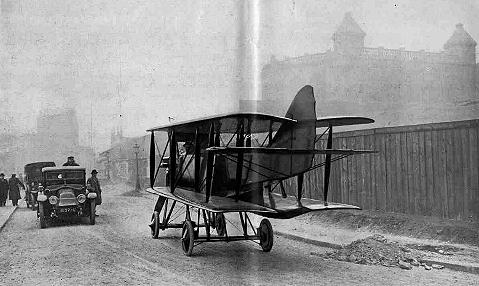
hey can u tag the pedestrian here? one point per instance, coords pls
(3, 190)
(71, 162)
(93, 185)
(14, 189)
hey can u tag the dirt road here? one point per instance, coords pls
(119, 250)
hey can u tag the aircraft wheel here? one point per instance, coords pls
(41, 215)
(91, 217)
(187, 237)
(220, 224)
(265, 232)
(155, 225)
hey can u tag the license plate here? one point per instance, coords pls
(67, 210)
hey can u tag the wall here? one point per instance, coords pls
(430, 169)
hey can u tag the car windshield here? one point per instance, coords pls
(64, 177)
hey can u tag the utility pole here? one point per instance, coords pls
(137, 150)
(107, 153)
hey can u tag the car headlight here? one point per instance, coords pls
(81, 198)
(41, 197)
(91, 195)
(53, 200)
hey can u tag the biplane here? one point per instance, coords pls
(237, 163)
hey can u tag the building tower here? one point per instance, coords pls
(462, 45)
(116, 135)
(349, 37)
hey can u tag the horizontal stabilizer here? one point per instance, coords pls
(342, 121)
(266, 150)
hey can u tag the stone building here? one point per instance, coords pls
(56, 138)
(118, 163)
(393, 86)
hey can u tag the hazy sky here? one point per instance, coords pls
(296, 27)
(148, 60)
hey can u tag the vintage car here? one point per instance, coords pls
(64, 194)
(33, 180)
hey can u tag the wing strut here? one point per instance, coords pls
(197, 162)
(172, 165)
(209, 162)
(239, 165)
(283, 191)
(300, 188)
(152, 159)
(327, 169)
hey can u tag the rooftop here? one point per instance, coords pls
(349, 26)
(460, 38)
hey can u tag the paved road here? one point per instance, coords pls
(118, 250)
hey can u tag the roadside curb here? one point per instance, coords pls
(451, 266)
(3, 223)
(456, 267)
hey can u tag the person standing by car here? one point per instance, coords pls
(3, 190)
(14, 192)
(70, 162)
(93, 185)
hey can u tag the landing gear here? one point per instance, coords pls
(161, 217)
(220, 224)
(188, 237)
(265, 232)
(155, 225)
(196, 227)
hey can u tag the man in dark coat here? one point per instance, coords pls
(93, 185)
(71, 162)
(14, 192)
(3, 190)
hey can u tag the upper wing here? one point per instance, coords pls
(342, 120)
(227, 123)
(266, 150)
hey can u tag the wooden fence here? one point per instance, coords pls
(429, 169)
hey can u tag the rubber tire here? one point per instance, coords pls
(187, 237)
(27, 200)
(41, 215)
(91, 217)
(34, 202)
(220, 224)
(155, 225)
(265, 232)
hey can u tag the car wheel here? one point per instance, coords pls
(41, 215)
(265, 232)
(92, 212)
(34, 203)
(187, 238)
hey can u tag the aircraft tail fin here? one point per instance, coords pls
(300, 135)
